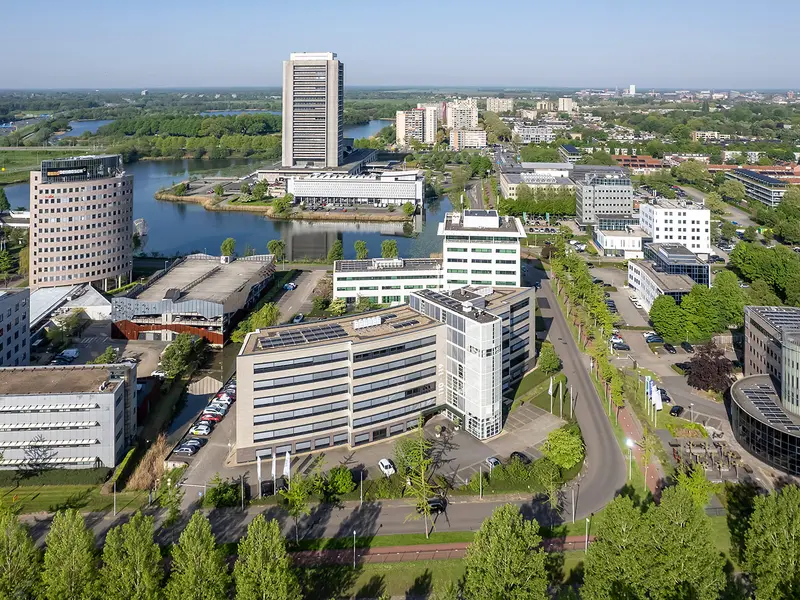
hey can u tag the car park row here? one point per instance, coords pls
(212, 414)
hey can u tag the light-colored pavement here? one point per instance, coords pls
(299, 300)
(734, 213)
(627, 311)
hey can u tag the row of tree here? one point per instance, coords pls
(132, 149)
(785, 219)
(539, 201)
(163, 125)
(773, 273)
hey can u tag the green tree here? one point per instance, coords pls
(108, 357)
(547, 474)
(180, 189)
(615, 568)
(505, 560)
(699, 317)
(728, 299)
(772, 545)
(692, 171)
(219, 191)
(389, 249)
(24, 258)
(4, 204)
(263, 570)
(132, 562)
(198, 568)
(409, 208)
(244, 188)
(223, 492)
(418, 468)
(228, 247)
(667, 318)
(282, 204)
(728, 230)
(733, 190)
(19, 558)
(70, 561)
(277, 248)
(339, 481)
(361, 249)
(715, 204)
(549, 361)
(750, 234)
(564, 447)
(695, 482)
(266, 316)
(259, 190)
(177, 357)
(336, 252)
(297, 497)
(337, 307)
(6, 263)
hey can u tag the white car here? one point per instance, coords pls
(637, 304)
(215, 410)
(634, 298)
(615, 339)
(225, 401)
(387, 467)
(647, 334)
(201, 429)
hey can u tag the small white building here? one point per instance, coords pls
(534, 134)
(385, 280)
(384, 189)
(481, 248)
(677, 222)
(625, 244)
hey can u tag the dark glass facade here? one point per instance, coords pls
(680, 264)
(772, 445)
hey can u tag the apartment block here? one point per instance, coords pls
(481, 248)
(566, 105)
(69, 417)
(15, 348)
(385, 280)
(534, 134)
(709, 136)
(765, 189)
(569, 153)
(81, 222)
(410, 125)
(677, 222)
(600, 195)
(461, 139)
(545, 105)
(313, 110)
(351, 381)
(462, 114)
(500, 105)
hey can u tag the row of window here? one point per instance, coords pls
(298, 379)
(395, 349)
(296, 363)
(300, 396)
(299, 430)
(396, 397)
(393, 414)
(394, 365)
(300, 413)
(392, 381)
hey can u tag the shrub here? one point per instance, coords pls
(339, 481)
(55, 477)
(549, 362)
(222, 493)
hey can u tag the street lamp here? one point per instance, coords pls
(629, 443)
(586, 547)
(691, 412)
(354, 548)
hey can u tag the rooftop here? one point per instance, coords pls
(484, 302)
(536, 179)
(781, 318)
(533, 166)
(670, 204)
(55, 380)
(757, 396)
(350, 163)
(204, 277)
(765, 179)
(482, 221)
(387, 264)
(570, 149)
(387, 322)
(675, 253)
(665, 281)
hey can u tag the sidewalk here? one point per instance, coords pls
(394, 554)
(633, 430)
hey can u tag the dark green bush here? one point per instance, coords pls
(55, 477)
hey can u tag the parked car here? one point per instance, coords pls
(665, 397)
(290, 286)
(387, 467)
(598, 281)
(188, 450)
(211, 417)
(670, 348)
(493, 462)
(200, 429)
(298, 318)
(521, 457)
(615, 339)
(676, 411)
(213, 411)
(684, 366)
(688, 347)
(159, 374)
(654, 339)
(621, 347)
(199, 443)
(637, 304)
(435, 505)
(647, 334)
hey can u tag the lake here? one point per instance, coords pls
(79, 127)
(180, 228)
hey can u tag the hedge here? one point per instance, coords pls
(55, 477)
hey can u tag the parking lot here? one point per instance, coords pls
(617, 278)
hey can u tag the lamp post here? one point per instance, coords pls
(586, 547)
(354, 548)
(629, 443)
(691, 412)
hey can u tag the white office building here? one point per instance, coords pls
(75, 417)
(677, 222)
(623, 244)
(650, 283)
(533, 134)
(500, 105)
(566, 105)
(481, 248)
(462, 114)
(385, 280)
(600, 195)
(15, 349)
(392, 188)
(467, 138)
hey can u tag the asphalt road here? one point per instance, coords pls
(734, 213)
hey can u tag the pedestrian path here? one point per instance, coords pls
(633, 430)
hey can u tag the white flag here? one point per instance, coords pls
(287, 467)
(550, 391)
(274, 460)
(258, 467)
(657, 399)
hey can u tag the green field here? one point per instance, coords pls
(86, 498)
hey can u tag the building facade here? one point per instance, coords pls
(622, 244)
(410, 125)
(709, 136)
(650, 283)
(534, 134)
(462, 114)
(385, 280)
(313, 105)
(674, 222)
(500, 105)
(70, 417)
(765, 330)
(765, 189)
(566, 105)
(569, 153)
(467, 138)
(392, 188)
(481, 248)
(15, 347)
(602, 194)
(81, 222)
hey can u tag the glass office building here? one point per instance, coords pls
(675, 259)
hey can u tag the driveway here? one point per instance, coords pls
(617, 278)
(733, 213)
(296, 301)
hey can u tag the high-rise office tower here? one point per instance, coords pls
(313, 104)
(81, 222)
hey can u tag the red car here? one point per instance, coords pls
(214, 418)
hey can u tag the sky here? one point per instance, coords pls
(693, 44)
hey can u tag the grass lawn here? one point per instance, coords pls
(383, 541)
(86, 498)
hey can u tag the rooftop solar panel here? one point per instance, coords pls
(320, 333)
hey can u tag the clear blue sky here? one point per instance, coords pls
(524, 43)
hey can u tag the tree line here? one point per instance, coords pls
(539, 201)
(773, 273)
(193, 125)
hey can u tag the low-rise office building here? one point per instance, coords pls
(69, 417)
(709, 136)
(765, 189)
(201, 295)
(639, 164)
(15, 348)
(351, 381)
(391, 188)
(601, 194)
(385, 280)
(765, 328)
(511, 180)
(500, 105)
(622, 244)
(481, 248)
(534, 134)
(669, 269)
(569, 153)
(461, 139)
(677, 222)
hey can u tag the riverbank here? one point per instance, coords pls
(212, 203)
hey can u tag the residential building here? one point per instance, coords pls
(200, 294)
(545, 105)
(566, 105)
(81, 222)
(622, 244)
(677, 222)
(569, 153)
(500, 105)
(385, 280)
(313, 105)
(441, 110)
(77, 417)
(640, 164)
(534, 134)
(467, 138)
(391, 188)
(601, 194)
(765, 189)
(481, 248)
(430, 123)
(631, 90)
(462, 114)
(347, 381)
(15, 348)
(528, 114)
(410, 125)
(709, 136)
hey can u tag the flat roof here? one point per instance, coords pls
(760, 178)
(570, 148)
(351, 161)
(16, 381)
(519, 177)
(757, 396)
(782, 318)
(568, 166)
(45, 300)
(387, 264)
(675, 204)
(213, 281)
(489, 300)
(666, 281)
(507, 224)
(387, 322)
